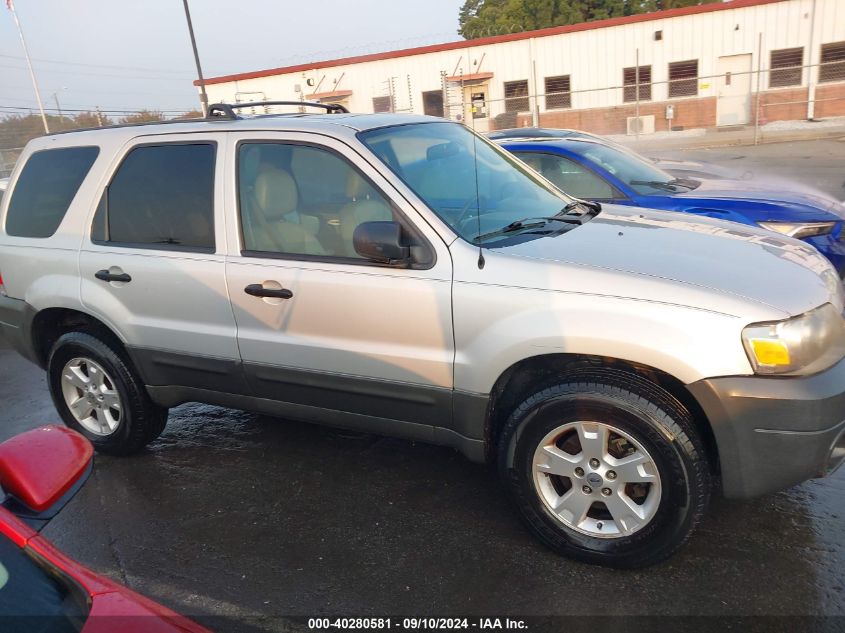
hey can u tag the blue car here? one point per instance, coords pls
(590, 169)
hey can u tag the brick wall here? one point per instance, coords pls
(788, 104)
(830, 108)
(785, 104)
(689, 113)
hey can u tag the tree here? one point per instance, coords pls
(144, 116)
(480, 18)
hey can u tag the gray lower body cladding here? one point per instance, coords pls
(774, 432)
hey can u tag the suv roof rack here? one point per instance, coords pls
(227, 110)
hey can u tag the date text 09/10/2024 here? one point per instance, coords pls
(430, 624)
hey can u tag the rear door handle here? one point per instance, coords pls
(105, 275)
(257, 290)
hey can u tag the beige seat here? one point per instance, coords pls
(276, 197)
(366, 205)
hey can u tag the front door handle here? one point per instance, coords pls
(105, 275)
(257, 290)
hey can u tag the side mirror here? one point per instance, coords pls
(381, 242)
(41, 470)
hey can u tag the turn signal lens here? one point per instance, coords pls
(770, 352)
(2, 287)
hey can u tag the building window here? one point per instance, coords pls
(629, 79)
(516, 96)
(558, 95)
(433, 102)
(683, 79)
(786, 67)
(382, 104)
(832, 62)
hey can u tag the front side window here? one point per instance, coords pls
(303, 200)
(46, 187)
(683, 79)
(36, 595)
(162, 196)
(568, 176)
(469, 183)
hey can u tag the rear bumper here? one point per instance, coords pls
(15, 324)
(773, 433)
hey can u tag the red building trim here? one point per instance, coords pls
(496, 39)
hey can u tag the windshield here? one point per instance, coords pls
(636, 172)
(473, 186)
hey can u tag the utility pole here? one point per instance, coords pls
(58, 107)
(11, 6)
(203, 95)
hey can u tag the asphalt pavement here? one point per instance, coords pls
(249, 517)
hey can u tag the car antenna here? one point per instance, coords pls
(477, 199)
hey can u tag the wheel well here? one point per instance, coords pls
(50, 324)
(528, 376)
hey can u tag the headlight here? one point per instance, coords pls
(799, 230)
(805, 344)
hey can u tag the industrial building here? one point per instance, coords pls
(722, 64)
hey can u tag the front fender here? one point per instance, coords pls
(496, 327)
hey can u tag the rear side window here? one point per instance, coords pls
(162, 196)
(46, 187)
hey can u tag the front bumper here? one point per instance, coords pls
(775, 432)
(833, 248)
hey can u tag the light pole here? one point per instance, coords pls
(56, 99)
(203, 95)
(11, 7)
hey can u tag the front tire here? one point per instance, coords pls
(606, 468)
(98, 394)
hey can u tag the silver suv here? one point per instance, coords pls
(401, 275)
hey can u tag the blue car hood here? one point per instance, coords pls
(771, 200)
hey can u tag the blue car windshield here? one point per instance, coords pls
(641, 175)
(472, 185)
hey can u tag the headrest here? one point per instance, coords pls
(275, 191)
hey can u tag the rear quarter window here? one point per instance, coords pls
(45, 188)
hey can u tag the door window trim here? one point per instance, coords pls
(179, 248)
(406, 224)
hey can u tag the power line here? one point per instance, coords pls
(66, 63)
(92, 74)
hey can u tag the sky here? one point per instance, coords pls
(125, 55)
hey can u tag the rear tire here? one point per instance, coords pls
(606, 468)
(98, 394)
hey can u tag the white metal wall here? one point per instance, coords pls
(594, 58)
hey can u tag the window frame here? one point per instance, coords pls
(509, 100)
(779, 71)
(566, 95)
(404, 222)
(7, 195)
(179, 248)
(831, 66)
(632, 86)
(673, 83)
